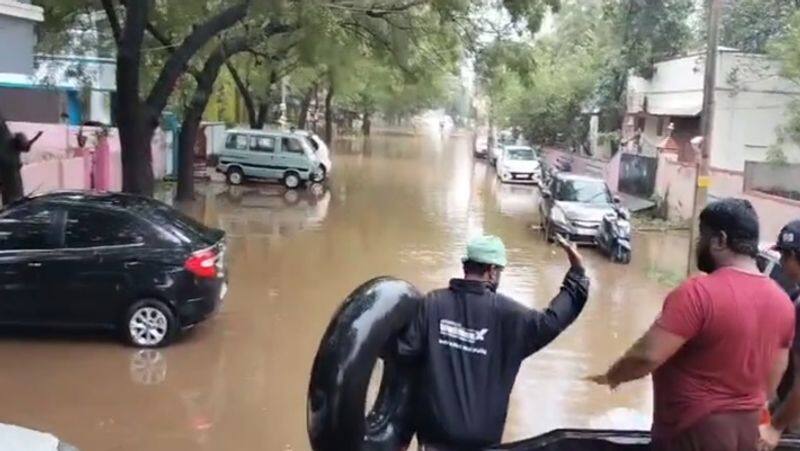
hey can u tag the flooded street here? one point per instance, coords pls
(396, 205)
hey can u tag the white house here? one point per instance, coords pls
(17, 22)
(751, 105)
(93, 77)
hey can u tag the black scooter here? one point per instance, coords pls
(614, 236)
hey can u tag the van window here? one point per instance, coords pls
(236, 141)
(262, 144)
(292, 145)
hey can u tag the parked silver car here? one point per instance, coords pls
(574, 206)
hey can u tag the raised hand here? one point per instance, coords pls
(575, 258)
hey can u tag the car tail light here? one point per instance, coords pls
(203, 263)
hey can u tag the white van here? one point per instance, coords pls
(269, 155)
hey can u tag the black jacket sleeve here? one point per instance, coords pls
(540, 328)
(412, 340)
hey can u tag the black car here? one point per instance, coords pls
(82, 259)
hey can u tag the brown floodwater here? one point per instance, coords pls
(397, 205)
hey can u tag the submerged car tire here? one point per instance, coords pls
(363, 329)
(292, 180)
(319, 175)
(234, 176)
(150, 323)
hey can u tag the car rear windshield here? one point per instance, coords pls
(521, 154)
(185, 227)
(584, 191)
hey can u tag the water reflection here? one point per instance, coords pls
(148, 367)
(269, 211)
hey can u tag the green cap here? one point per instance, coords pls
(487, 249)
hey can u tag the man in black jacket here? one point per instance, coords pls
(468, 342)
(787, 412)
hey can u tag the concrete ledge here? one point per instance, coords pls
(772, 197)
(21, 10)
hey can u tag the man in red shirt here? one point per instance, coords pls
(720, 344)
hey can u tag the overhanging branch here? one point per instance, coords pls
(169, 46)
(376, 10)
(113, 20)
(179, 59)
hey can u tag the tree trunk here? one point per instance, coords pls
(329, 114)
(262, 117)
(305, 105)
(244, 92)
(186, 143)
(137, 119)
(366, 123)
(315, 116)
(193, 115)
(134, 134)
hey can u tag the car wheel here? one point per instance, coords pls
(235, 176)
(292, 180)
(150, 324)
(319, 175)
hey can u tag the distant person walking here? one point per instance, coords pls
(720, 344)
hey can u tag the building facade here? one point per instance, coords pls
(751, 104)
(17, 30)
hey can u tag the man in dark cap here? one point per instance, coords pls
(788, 411)
(468, 342)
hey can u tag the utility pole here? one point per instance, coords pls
(703, 180)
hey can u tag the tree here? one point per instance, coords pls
(544, 85)
(786, 49)
(193, 112)
(183, 38)
(750, 25)
(190, 27)
(205, 78)
(257, 73)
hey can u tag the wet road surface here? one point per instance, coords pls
(403, 206)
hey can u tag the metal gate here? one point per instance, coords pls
(637, 175)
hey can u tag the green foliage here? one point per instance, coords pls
(776, 155)
(544, 86)
(750, 25)
(786, 48)
(647, 31)
(392, 57)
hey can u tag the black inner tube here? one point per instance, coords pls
(363, 329)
